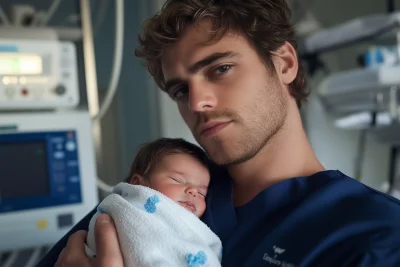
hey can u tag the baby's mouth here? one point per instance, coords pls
(188, 205)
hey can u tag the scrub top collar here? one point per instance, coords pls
(225, 216)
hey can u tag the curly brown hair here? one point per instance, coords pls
(265, 23)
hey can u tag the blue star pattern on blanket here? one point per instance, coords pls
(196, 260)
(150, 204)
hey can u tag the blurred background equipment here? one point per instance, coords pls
(366, 96)
(50, 140)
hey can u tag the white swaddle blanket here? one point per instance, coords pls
(154, 230)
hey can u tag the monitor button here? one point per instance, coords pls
(60, 90)
(10, 91)
(70, 146)
(65, 220)
(59, 155)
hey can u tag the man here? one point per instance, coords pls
(231, 66)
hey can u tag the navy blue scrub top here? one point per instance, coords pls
(327, 219)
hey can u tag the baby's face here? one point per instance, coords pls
(184, 179)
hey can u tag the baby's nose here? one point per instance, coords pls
(192, 191)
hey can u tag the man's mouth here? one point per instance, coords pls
(212, 127)
(188, 205)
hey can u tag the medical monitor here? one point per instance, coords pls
(47, 176)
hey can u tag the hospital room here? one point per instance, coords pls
(146, 133)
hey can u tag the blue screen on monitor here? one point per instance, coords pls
(39, 169)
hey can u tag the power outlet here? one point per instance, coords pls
(22, 15)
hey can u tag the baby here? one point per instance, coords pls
(156, 210)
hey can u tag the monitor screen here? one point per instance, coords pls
(38, 170)
(23, 169)
(20, 64)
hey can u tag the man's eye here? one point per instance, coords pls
(222, 69)
(180, 92)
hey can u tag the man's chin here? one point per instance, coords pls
(219, 157)
(218, 152)
(224, 158)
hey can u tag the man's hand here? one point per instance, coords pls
(108, 251)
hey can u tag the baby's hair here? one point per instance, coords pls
(152, 153)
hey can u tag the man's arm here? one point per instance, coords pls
(51, 257)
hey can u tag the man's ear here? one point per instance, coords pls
(286, 63)
(137, 179)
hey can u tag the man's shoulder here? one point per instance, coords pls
(362, 194)
(330, 186)
(356, 197)
(366, 218)
(358, 208)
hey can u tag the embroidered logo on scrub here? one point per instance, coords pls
(277, 260)
(196, 260)
(150, 204)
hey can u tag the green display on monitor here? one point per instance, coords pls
(20, 64)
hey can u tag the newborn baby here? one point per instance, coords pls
(156, 211)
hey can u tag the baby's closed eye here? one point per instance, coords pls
(176, 180)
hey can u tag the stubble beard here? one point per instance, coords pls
(263, 124)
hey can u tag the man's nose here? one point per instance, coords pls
(202, 97)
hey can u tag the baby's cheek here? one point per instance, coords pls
(202, 207)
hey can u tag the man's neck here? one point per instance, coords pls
(287, 155)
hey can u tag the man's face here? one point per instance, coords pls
(230, 100)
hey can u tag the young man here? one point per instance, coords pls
(231, 66)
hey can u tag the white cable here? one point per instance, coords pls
(4, 17)
(53, 8)
(34, 257)
(11, 259)
(103, 186)
(117, 64)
